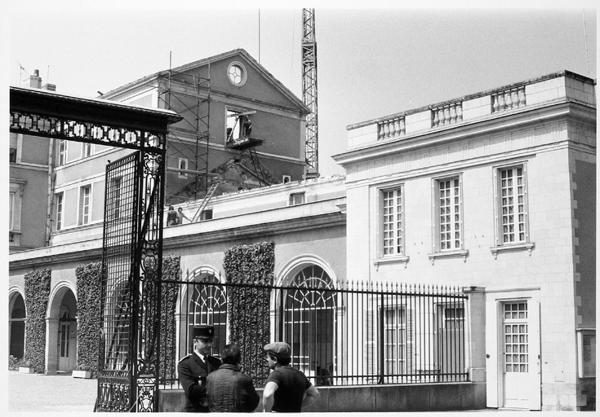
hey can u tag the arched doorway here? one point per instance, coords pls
(309, 322)
(16, 325)
(62, 331)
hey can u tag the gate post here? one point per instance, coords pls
(475, 333)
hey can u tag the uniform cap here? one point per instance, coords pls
(203, 331)
(280, 349)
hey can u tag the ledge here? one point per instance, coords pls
(391, 260)
(449, 254)
(522, 246)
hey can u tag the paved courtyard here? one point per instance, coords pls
(50, 393)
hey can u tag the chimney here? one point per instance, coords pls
(35, 81)
(49, 87)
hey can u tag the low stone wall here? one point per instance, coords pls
(375, 398)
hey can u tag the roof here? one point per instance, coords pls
(98, 110)
(205, 61)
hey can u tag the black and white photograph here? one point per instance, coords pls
(360, 207)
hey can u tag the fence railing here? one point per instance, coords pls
(357, 333)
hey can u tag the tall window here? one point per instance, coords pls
(183, 164)
(62, 152)
(87, 149)
(59, 210)
(84, 204)
(512, 206)
(14, 140)
(395, 328)
(309, 322)
(392, 222)
(449, 213)
(11, 210)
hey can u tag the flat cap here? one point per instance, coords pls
(280, 349)
(203, 331)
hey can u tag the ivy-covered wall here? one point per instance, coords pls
(37, 294)
(171, 271)
(88, 315)
(248, 308)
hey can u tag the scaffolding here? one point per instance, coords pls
(190, 95)
(172, 87)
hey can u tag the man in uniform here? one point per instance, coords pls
(287, 389)
(195, 367)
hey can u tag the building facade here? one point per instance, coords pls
(493, 190)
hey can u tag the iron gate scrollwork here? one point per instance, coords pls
(128, 362)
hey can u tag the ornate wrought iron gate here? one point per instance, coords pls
(132, 251)
(128, 362)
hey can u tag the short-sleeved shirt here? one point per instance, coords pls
(292, 384)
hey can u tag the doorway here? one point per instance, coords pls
(67, 340)
(519, 355)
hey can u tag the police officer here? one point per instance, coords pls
(195, 367)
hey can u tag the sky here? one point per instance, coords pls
(370, 61)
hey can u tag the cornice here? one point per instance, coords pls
(262, 230)
(476, 127)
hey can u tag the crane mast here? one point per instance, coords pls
(309, 92)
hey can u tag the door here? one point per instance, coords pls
(520, 362)
(66, 344)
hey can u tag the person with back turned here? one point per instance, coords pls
(195, 367)
(227, 388)
(287, 389)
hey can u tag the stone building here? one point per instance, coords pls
(493, 192)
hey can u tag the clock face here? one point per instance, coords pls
(236, 74)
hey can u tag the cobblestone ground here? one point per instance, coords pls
(50, 393)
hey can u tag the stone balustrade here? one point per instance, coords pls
(556, 87)
(446, 114)
(508, 99)
(391, 128)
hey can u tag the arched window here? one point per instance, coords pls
(17, 327)
(208, 306)
(309, 322)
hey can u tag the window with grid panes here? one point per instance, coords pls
(87, 149)
(392, 222)
(84, 204)
(516, 343)
(62, 152)
(512, 205)
(59, 211)
(395, 341)
(449, 214)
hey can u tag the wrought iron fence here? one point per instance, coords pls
(359, 333)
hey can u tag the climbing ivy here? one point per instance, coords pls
(89, 281)
(248, 307)
(171, 271)
(37, 294)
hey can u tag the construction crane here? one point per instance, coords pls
(309, 92)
